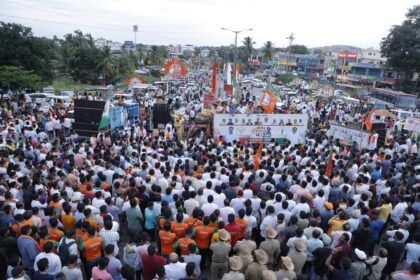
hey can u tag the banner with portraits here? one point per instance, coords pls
(257, 127)
(349, 135)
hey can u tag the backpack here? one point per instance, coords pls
(63, 251)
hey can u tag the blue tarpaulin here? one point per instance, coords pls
(132, 113)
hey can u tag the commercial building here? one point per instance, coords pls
(365, 73)
(310, 65)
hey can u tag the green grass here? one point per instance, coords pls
(60, 85)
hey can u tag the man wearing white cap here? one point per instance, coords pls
(358, 267)
(272, 247)
(287, 269)
(235, 264)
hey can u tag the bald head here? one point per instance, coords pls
(173, 257)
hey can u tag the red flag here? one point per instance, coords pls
(329, 165)
(257, 155)
(213, 81)
(368, 121)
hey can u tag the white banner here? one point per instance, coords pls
(254, 127)
(350, 135)
(412, 124)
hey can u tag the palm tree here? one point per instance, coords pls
(157, 55)
(197, 52)
(249, 45)
(212, 55)
(140, 53)
(63, 61)
(268, 51)
(105, 63)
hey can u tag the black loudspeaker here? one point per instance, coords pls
(380, 128)
(87, 116)
(161, 114)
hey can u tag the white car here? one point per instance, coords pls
(258, 83)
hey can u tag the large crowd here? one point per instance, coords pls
(136, 204)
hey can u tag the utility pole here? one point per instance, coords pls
(135, 30)
(290, 38)
(235, 57)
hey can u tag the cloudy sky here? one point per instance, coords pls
(314, 23)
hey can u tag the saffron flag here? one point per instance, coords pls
(368, 121)
(329, 165)
(237, 71)
(268, 101)
(213, 80)
(257, 156)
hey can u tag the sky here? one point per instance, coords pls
(361, 23)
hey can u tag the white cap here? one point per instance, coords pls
(360, 254)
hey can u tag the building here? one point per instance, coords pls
(285, 62)
(365, 73)
(310, 65)
(186, 48)
(371, 56)
(205, 52)
(101, 42)
(128, 46)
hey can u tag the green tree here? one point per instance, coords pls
(298, 49)
(19, 47)
(402, 47)
(63, 60)
(17, 78)
(105, 63)
(124, 65)
(83, 60)
(212, 54)
(197, 52)
(249, 45)
(140, 53)
(157, 55)
(268, 51)
(226, 54)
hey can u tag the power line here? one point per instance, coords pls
(108, 28)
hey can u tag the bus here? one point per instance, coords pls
(353, 91)
(386, 98)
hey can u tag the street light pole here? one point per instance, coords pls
(235, 56)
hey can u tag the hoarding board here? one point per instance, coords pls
(254, 127)
(350, 135)
(412, 124)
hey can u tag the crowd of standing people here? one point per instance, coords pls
(136, 204)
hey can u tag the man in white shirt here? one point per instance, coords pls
(54, 262)
(269, 221)
(225, 211)
(175, 270)
(98, 201)
(191, 203)
(209, 207)
(238, 203)
(398, 211)
(302, 206)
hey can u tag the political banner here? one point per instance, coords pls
(412, 124)
(349, 135)
(257, 127)
(133, 113)
(117, 117)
